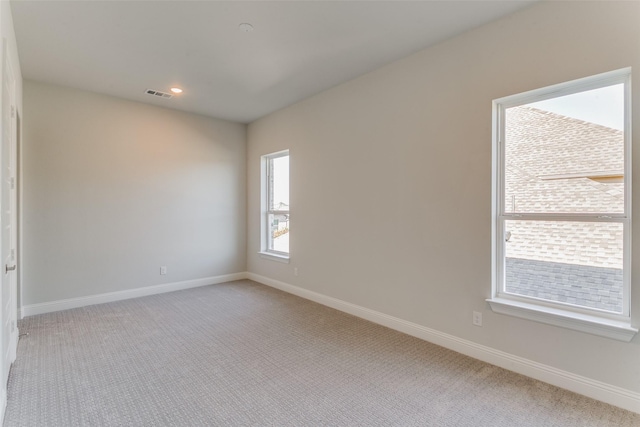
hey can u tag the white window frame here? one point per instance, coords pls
(592, 321)
(265, 230)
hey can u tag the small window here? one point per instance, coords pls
(561, 200)
(275, 229)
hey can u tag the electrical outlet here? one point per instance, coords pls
(163, 270)
(295, 271)
(477, 318)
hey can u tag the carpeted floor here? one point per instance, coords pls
(243, 354)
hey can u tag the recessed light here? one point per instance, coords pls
(176, 90)
(246, 27)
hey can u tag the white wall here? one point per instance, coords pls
(391, 180)
(114, 189)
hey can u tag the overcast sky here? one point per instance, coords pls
(604, 106)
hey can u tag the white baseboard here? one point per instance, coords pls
(598, 390)
(65, 304)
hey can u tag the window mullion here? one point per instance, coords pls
(584, 217)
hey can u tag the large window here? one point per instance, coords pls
(562, 205)
(275, 229)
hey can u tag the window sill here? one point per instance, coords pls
(274, 257)
(614, 329)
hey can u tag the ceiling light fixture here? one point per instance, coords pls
(176, 90)
(247, 28)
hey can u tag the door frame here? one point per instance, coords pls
(8, 278)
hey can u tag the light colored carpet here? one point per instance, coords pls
(243, 354)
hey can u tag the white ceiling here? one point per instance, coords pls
(297, 49)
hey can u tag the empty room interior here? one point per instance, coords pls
(292, 213)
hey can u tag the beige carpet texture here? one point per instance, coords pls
(244, 354)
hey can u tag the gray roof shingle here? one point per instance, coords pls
(552, 162)
(593, 287)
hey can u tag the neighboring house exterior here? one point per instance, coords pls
(280, 229)
(564, 165)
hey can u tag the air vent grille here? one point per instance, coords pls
(158, 93)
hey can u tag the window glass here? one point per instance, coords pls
(276, 234)
(279, 232)
(280, 183)
(566, 154)
(577, 263)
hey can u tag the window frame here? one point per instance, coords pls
(266, 175)
(590, 320)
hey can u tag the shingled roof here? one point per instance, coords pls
(556, 165)
(554, 162)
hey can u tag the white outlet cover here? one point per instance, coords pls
(477, 318)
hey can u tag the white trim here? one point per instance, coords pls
(276, 154)
(562, 314)
(266, 175)
(595, 325)
(65, 304)
(623, 398)
(274, 257)
(567, 88)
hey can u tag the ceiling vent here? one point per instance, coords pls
(158, 93)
